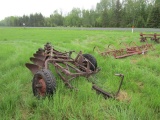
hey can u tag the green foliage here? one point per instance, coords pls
(139, 97)
(56, 19)
(154, 18)
(108, 13)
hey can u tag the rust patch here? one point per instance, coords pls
(42, 89)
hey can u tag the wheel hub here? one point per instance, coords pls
(41, 87)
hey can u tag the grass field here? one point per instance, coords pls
(139, 97)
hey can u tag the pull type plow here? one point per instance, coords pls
(125, 52)
(44, 83)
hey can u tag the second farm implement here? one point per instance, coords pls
(125, 52)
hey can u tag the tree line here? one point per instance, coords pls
(108, 13)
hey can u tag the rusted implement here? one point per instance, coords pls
(44, 83)
(155, 37)
(127, 51)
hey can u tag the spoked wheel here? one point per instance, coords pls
(43, 84)
(93, 61)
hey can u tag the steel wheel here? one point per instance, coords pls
(89, 57)
(43, 83)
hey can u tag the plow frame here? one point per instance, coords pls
(65, 66)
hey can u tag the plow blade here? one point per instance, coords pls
(40, 52)
(32, 67)
(41, 57)
(37, 61)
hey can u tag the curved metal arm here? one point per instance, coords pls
(122, 77)
(106, 94)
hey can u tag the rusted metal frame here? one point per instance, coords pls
(136, 50)
(50, 56)
(122, 56)
(150, 46)
(68, 66)
(115, 53)
(151, 36)
(61, 56)
(145, 47)
(142, 47)
(121, 81)
(55, 62)
(126, 45)
(112, 52)
(123, 52)
(129, 50)
(67, 75)
(100, 91)
(132, 48)
(57, 53)
(62, 53)
(120, 53)
(63, 61)
(80, 60)
(107, 53)
(132, 43)
(130, 54)
(49, 53)
(88, 71)
(65, 79)
(77, 57)
(106, 94)
(104, 53)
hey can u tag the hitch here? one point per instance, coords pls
(106, 94)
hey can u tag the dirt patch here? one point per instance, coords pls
(134, 61)
(140, 85)
(123, 96)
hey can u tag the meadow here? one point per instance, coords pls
(139, 98)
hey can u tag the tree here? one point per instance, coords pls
(86, 18)
(103, 9)
(93, 17)
(56, 19)
(117, 13)
(105, 19)
(73, 18)
(154, 18)
(108, 13)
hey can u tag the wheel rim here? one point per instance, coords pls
(40, 86)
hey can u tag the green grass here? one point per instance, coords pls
(140, 97)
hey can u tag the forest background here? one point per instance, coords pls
(108, 13)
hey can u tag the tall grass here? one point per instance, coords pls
(139, 97)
